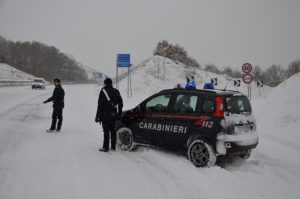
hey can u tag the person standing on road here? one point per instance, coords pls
(58, 105)
(109, 109)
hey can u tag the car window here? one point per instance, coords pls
(186, 104)
(237, 104)
(208, 106)
(158, 104)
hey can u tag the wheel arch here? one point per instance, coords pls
(203, 137)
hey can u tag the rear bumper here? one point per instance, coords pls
(236, 148)
(234, 143)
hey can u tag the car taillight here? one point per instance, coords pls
(219, 107)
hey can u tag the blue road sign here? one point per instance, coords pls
(123, 60)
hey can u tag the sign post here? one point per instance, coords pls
(247, 77)
(123, 61)
(259, 85)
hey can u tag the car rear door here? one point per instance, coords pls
(184, 111)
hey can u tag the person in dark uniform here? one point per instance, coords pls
(109, 109)
(58, 105)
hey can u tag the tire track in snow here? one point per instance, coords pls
(141, 166)
(9, 138)
(3, 114)
(166, 181)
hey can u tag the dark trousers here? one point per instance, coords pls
(109, 131)
(57, 115)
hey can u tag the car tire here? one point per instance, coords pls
(245, 155)
(125, 139)
(201, 153)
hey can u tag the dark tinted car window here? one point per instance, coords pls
(185, 104)
(238, 104)
(208, 106)
(158, 104)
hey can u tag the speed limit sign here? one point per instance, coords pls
(247, 68)
(247, 78)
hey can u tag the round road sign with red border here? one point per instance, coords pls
(247, 78)
(247, 68)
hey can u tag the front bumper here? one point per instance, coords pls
(37, 86)
(239, 142)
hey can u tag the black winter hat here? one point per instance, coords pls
(108, 81)
(56, 80)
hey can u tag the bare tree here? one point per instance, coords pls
(176, 53)
(212, 68)
(274, 75)
(228, 71)
(293, 68)
(257, 72)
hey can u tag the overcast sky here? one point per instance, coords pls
(224, 32)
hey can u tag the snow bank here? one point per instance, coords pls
(282, 105)
(278, 120)
(284, 102)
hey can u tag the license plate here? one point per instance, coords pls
(247, 128)
(243, 129)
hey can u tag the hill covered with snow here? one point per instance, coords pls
(8, 72)
(93, 74)
(158, 73)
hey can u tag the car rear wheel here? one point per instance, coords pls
(245, 155)
(201, 154)
(125, 139)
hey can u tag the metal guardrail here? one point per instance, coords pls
(4, 82)
(8, 82)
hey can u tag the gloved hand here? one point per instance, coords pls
(44, 102)
(97, 119)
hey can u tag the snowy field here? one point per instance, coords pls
(67, 165)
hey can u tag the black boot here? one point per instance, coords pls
(103, 150)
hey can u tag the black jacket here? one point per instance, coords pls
(104, 106)
(57, 97)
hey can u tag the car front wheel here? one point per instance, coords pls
(201, 154)
(125, 139)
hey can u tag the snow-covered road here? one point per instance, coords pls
(67, 165)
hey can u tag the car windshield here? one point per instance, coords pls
(238, 104)
(39, 81)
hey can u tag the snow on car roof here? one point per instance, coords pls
(217, 91)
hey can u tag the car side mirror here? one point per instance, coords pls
(137, 109)
(142, 108)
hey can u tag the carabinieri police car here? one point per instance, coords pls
(205, 124)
